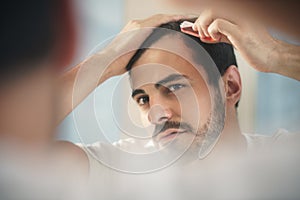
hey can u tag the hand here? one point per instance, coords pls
(79, 82)
(252, 41)
(131, 37)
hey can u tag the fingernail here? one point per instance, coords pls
(209, 39)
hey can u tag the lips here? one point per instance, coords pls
(169, 134)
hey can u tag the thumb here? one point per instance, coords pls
(222, 30)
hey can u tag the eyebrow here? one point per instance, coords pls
(170, 78)
(136, 92)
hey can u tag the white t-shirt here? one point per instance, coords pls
(108, 179)
(99, 151)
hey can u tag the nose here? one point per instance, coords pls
(159, 114)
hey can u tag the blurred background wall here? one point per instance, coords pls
(268, 101)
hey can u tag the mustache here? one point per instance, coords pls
(172, 124)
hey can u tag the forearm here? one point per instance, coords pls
(79, 82)
(288, 64)
(76, 84)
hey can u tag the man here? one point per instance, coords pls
(31, 104)
(169, 97)
(257, 46)
(178, 100)
(208, 102)
(174, 85)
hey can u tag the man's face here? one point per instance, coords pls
(171, 95)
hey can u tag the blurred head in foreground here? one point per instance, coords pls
(37, 39)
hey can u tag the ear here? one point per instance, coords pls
(233, 85)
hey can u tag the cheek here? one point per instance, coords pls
(188, 107)
(204, 103)
(196, 106)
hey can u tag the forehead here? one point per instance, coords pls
(155, 64)
(172, 53)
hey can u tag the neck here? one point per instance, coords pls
(231, 141)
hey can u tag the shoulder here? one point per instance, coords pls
(101, 156)
(279, 138)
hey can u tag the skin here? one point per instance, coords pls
(282, 15)
(33, 104)
(176, 100)
(184, 99)
(60, 99)
(252, 40)
(94, 67)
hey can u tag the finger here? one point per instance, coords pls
(205, 19)
(209, 40)
(204, 29)
(190, 32)
(224, 31)
(196, 25)
(197, 28)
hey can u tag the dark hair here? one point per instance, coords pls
(27, 35)
(221, 53)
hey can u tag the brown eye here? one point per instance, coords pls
(143, 100)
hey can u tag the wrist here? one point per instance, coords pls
(278, 57)
(287, 60)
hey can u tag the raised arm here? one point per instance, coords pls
(252, 40)
(80, 81)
